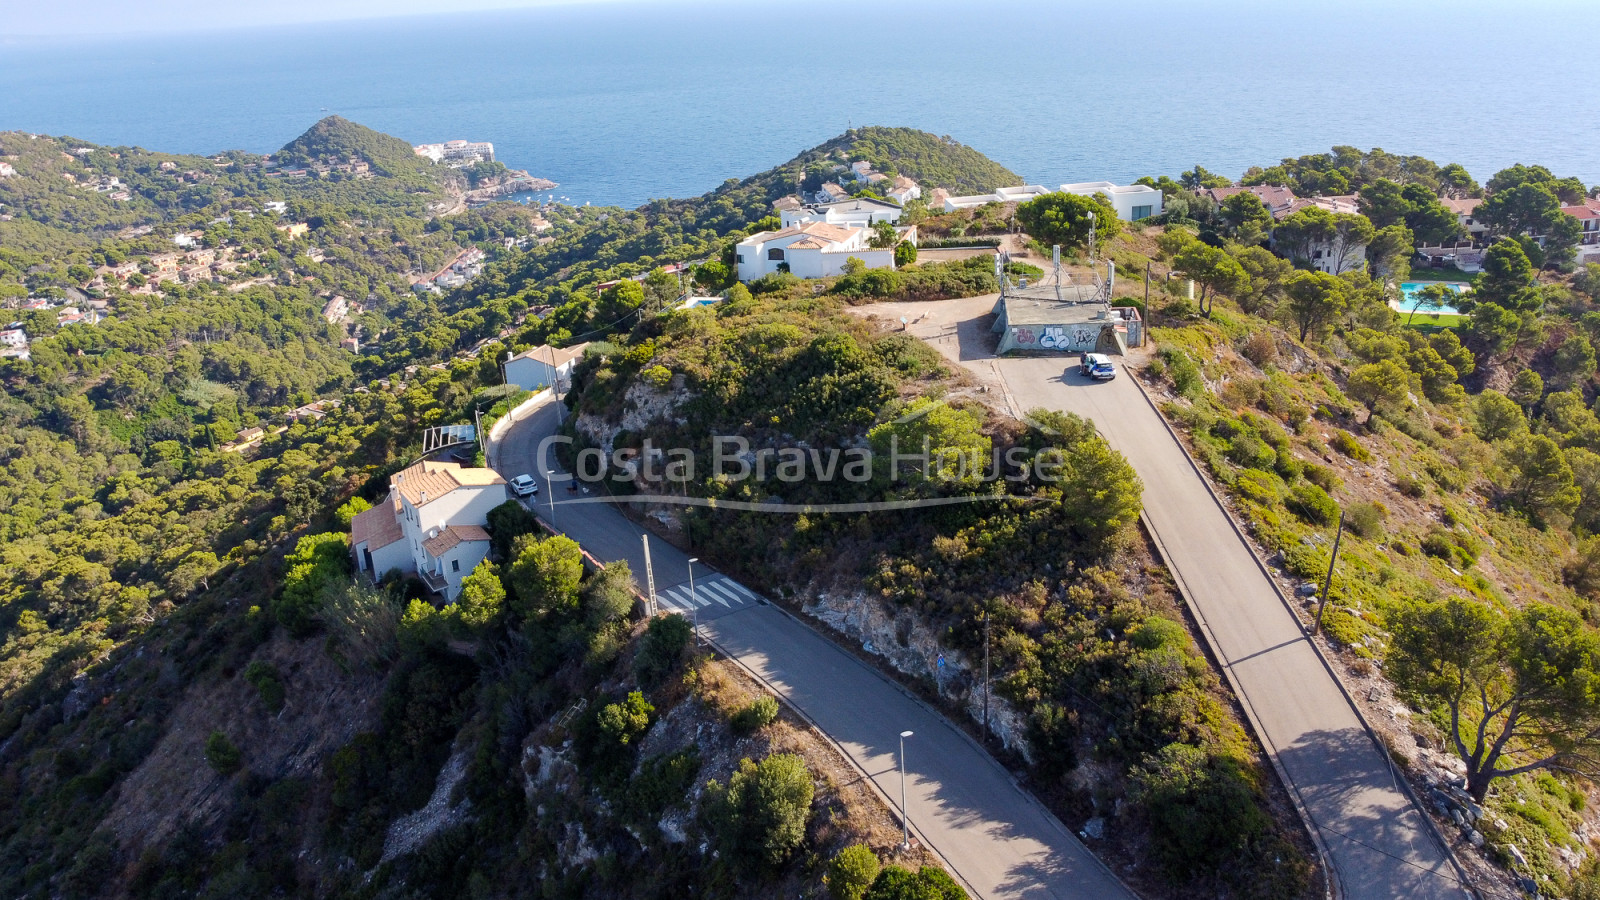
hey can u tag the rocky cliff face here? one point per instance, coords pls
(905, 642)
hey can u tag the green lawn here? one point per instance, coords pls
(1448, 273)
(1434, 321)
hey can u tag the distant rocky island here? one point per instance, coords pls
(488, 179)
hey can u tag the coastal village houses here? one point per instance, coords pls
(809, 250)
(853, 212)
(431, 525)
(1330, 255)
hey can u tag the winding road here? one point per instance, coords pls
(963, 805)
(1377, 841)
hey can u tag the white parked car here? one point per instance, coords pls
(524, 486)
(1097, 366)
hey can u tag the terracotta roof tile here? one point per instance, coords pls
(435, 479)
(452, 536)
(378, 526)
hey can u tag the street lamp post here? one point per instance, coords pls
(694, 602)
(905, 814)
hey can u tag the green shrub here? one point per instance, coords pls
(1313, 504)
(760, 816)
(1249, 451)
(661, 648)
(268, 684)
(1455, 548)
(662, 782)
(1157, 632)
(851, 872)
(1186, 377)
(1346, 443)
(927, 883)
(1323, 477)
(657, 377)
(1203, 808)
(1366, 519)
(222, 755)
(623, 723)
(758, 714)
(1258, 487)
(1411, 486)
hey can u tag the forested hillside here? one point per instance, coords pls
(1457, 444)
(195, 700)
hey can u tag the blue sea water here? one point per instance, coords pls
(625, 102)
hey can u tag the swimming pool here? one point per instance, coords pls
(1409, 298)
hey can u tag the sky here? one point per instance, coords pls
(21, 20)
(67, 18)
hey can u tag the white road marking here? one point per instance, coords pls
(662, 599)
(729, 582)
(676, 599)
(718, 592)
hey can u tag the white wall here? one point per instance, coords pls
(465, 556)
(1124, 198)
(467, 505)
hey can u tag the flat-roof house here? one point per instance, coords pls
(430, 524)
(1078, 322)
(1019, 194)
(541, 367)
(809, 250)
(1131, 201)
(854, 211)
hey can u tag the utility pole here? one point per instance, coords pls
(1327, 583)
(649, 577)
(905, 815)
(694, 602)
(1147, 296)
(986, 674)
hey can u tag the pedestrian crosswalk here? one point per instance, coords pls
(710, 596)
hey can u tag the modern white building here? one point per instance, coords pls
(1131, 201)
(809, 250)
(854, 212)
(542, 366)
(14, 342)
(430, 525)
(1019, 194)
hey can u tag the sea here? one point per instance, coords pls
(625, 102)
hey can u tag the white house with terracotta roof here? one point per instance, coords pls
(809, 250)
(904, 191)
(1278, 199)
(542, 366)
(430, 525)
(1588, 215)
(1464, 209)
(831, 192)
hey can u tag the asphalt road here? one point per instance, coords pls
(962, 803)
(1377, 840)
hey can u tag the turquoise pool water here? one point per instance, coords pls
(1409, 298)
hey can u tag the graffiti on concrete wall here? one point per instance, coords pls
(1057, 337)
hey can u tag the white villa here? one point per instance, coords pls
(430, 525)
(809, 250)
(1019, 194)
(1131, 201)
(539, 367)
(904, 191)
(854, 212)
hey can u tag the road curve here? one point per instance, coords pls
(1377, 840)
(962, 803)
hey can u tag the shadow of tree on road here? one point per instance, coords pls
(1380, 844)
